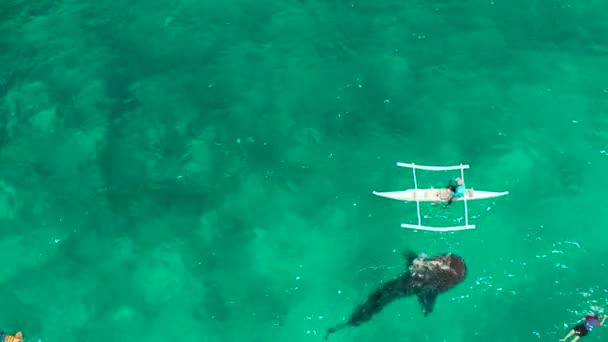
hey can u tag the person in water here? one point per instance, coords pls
(18, 337)
(456, 187)
(584, 328)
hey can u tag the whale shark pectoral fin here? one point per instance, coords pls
(427, 301)
(409, 256)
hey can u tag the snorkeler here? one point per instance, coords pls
(583, 328)
(456, 186)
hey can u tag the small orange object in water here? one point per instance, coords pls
(18, 337)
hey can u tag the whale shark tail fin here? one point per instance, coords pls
(336, 328)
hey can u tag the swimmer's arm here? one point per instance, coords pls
(603, 320)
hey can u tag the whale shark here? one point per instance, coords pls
(424, 277)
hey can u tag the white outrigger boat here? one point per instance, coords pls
(437, 195)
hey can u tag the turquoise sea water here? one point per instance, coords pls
(203, 170)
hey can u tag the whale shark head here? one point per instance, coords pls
(428, 277)
(439, 273)
(453, 271)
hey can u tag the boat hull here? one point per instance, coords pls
(437, 195)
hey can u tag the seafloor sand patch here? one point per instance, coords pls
(161, 274)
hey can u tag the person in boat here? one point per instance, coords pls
(582, 329)
(456, 187)
(18, 337)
